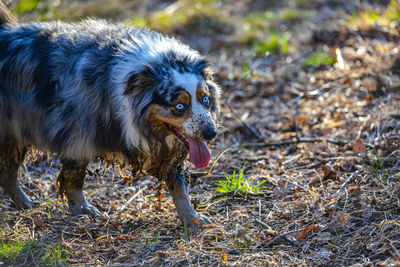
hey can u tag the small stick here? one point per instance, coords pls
(121, 209)
(296, 128)
(248, 126)
(339, 142)
(277, 236)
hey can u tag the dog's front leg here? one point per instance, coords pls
(180, 196)
(70, 183)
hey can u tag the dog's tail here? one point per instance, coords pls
(5, 15)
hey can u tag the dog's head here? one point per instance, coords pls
(178, 95)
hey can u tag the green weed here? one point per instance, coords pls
(243, 241)
(238, 184)
(181, 13)
(277, 43)
(318, 58)
(186, 233)
(153, 240)
(246, 72)
(48, 255)
(370, 17)
(377, 169)
(295, 14)
(10, 251)
(55, 255)
(26, 6)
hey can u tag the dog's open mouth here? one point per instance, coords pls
(199, 153)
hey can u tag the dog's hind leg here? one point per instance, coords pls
(70, 183)
(11, 157)
(180, 196)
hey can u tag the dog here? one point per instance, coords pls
(92, 89)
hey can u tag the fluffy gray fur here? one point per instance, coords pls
(72, 88)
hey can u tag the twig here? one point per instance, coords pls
(308, 166)
(391, 244)
(340, 142)
(263, 224)
(248, 126)
(283, 236)
(298, 138)
(302, 55)
(121, 209)
(296, 128)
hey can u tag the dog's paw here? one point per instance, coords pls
(84, 208)
(197, 222)
(204, 221)
(91, 210)
(24, 202)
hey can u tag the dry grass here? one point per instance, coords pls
(325, 204)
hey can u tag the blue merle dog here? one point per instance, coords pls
(93, 89)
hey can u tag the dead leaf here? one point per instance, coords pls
(225, 256)
(334, 124)
(123, 237)
(341, 217)
(39, 222)
(359, 146)
(101, 237)
(306, 231)
(328, 172)
(300, 120)
(196, 221)
(161, 253)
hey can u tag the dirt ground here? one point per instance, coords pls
(315, 112)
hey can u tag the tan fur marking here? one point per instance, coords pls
(208, 72)
(201, 92)
(183, 98)
(158, 115)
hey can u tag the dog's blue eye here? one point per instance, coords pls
(180, 107)
(207, 101)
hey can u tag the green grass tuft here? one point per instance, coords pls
(318, 58)
(377, 169)
(10, 251)
(26, 6)
(55, 255)
(276, 44)
(238, 184)
(367, 18)
(47, 255)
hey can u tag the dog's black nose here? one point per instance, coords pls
(209, 134)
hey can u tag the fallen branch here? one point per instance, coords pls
(248, 126)
(340, 142)
(276, 234)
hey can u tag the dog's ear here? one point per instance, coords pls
(141, 87)
(203, 67)
(144, 80)
(215, 91)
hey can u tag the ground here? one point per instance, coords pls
(310, 108)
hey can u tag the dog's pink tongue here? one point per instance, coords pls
(199, 153)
